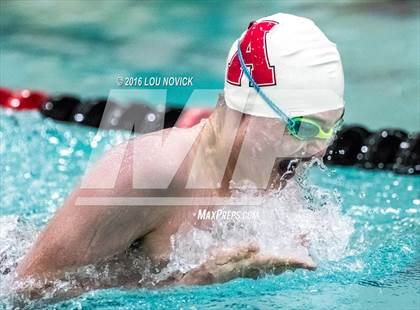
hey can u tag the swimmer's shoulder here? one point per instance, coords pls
(168, 142)
(158, 155)
(151, 157)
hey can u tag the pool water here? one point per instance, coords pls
(367, 238)
(376, 268)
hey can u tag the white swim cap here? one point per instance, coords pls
(292, 62)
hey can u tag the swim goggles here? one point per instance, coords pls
(300, 127)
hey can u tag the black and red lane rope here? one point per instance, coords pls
(385, 149)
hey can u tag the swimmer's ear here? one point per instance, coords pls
(251, 23)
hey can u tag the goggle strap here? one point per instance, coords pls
(259, 91)
(290, 122)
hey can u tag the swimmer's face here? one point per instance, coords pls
(273, 135)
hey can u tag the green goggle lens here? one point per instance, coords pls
(305, 129)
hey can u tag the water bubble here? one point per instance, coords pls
(55, 195)
(66, 151)
(151, 117)
(53, 140)
(404, 145)
(78, 117)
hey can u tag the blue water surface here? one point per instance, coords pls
(41, 160)
(81, 47)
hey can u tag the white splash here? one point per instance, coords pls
(287, 224)
(15, 238)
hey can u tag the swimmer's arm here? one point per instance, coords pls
(81, 235)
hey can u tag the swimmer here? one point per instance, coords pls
(283, 100)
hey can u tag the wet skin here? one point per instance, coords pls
(80, 235)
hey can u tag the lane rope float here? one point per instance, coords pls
(386, 149)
